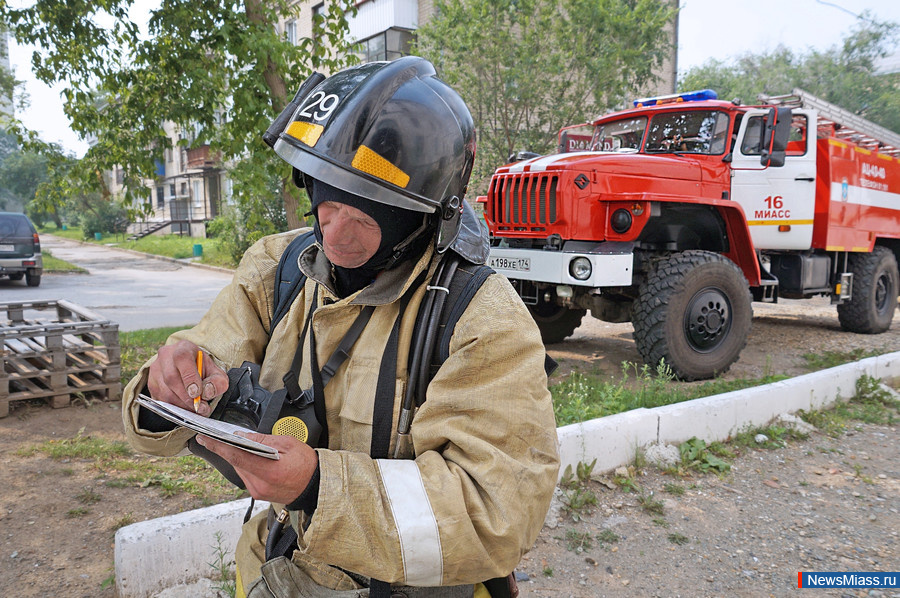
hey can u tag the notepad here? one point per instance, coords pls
(219, 430)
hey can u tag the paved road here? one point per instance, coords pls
(135, 291)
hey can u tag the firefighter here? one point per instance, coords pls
(385, 150)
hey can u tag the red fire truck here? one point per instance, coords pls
(677, 214)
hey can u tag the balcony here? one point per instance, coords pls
(201, 158)
(375, 17)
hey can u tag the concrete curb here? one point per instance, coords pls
(165, 552)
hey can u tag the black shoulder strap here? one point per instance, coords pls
(289, 280)
(466, 281)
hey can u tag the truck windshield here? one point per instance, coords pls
(619, 135)
(688, 132)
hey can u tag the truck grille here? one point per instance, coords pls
(523, 199)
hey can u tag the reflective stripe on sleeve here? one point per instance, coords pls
(420, 543)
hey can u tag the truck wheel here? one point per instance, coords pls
(555, 322)
(32, 280)
(693, 311)
(875, 288)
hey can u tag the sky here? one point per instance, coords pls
(720, 29)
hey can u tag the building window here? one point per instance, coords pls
(172, 191)
(387, 45)
(160, 196)
(290, 32)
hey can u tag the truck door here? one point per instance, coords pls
(778, 201)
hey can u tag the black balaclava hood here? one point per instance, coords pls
(397, 226)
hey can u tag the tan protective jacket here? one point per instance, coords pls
(472, 501)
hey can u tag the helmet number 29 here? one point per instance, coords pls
(325, 103)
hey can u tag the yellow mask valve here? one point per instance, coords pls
(370, 162)
(307, 133)
(291, 426)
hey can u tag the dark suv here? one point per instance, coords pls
(20, 249)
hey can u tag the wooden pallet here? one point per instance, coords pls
(57, 351)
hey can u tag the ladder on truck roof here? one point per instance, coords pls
(841, 123)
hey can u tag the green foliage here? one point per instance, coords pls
(776, 437)
(844, 74)
(20, 175)
(54, 264)
(581, 397)
(104, 218)
(674, 489)
(224, 574)
(578, 542)
(527, 67)
(140, 345)
(695, 454)
(246, 222)
(830, 359)
(576, 495)
(219, 72)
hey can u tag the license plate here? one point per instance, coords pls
(519, 264)
(7, 248)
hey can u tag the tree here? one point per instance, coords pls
(20, 175)
(219, 70)
(528, 67)
(845, 74)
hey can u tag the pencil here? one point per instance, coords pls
(199, 371)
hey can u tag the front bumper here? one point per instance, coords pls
(609, 268)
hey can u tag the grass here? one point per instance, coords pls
(580, 397)
(57, 266)
(174, 246)
(830, 359)
(140, 345)
(118, 466)
(871, 404)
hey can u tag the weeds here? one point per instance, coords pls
(830, 359)
(674, 489)
(578, 542)
(679, 539)
(695, 454)
(872, 403)
(79, 447)
(224, 575)
(123, 521)
(607, 536)
(776, 437)
(577, 497)
(650, 504)
(581, 397)
(123, 468)
(87, 496)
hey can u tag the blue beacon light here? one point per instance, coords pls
(688, 96)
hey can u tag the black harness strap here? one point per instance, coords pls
(385, 388)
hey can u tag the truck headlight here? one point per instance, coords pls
(580, 268)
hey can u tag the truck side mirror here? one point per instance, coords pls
(775, 136)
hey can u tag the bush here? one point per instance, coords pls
(106, 217)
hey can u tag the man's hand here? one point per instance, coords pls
(174, 377)
(280, 480)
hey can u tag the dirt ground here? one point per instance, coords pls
(823, 504)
